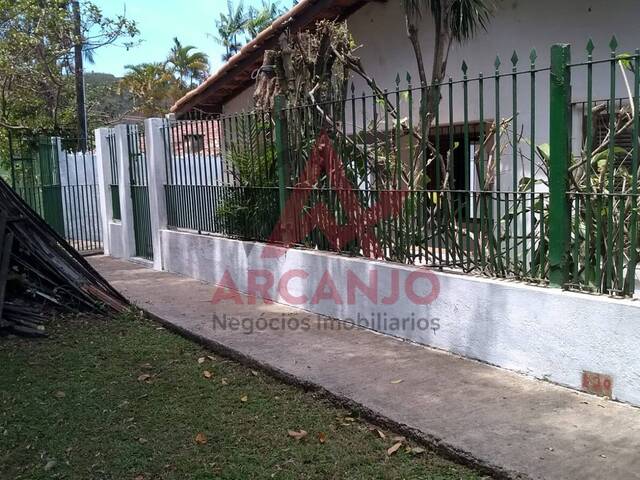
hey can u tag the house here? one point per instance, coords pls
(379, 27)
(517, 28)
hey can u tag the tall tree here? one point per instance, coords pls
(260, 18)
(152, 87)
(454, 20)
(81, 110)
(188, 65)
(229, 27)
(37, 60)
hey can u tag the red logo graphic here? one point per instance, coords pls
(420, 287)
(360, 220)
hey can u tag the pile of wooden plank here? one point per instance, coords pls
(40, 273)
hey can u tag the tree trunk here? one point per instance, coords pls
(81, 111)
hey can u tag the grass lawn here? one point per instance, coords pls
(125, 399)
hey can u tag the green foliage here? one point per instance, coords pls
(238, 22)
(106, 101)
(155, 86)
(36, 60)
(463, 17)
(188, 66)
(151, 86)
(251, 209)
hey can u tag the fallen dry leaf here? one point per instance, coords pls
(254, 373)
(60, 394)
(201, 438)
(210, 358)
(244, 398)
(139, 477)
(394, 448)
(322, 437)
(398, 438)
(297, 435)
(200, 360)
(207, 374)
(224, 381)
(380, 433)
(395, 382)
(417, 450)
(142, 440)
(144, 377)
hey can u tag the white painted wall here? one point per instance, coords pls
(518, 25)
(243, 101)
(540, 332)
(116, 236)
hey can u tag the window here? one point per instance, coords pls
(193, 142)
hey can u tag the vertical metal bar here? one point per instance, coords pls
(281, 148)
(589, 170)
(497, 167)
(514, 159)
(633, 229)
(610, 166)
(411, 214)
(532, 174)
(559, 137)
(398, 166)
(450, 188)
(481, 197)
(437, 197)
(12, 160)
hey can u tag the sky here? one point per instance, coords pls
(192, 21)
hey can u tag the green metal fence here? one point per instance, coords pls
(114, 189)
(138, 176)
(59, 182)
(207, 191)
(529, 172)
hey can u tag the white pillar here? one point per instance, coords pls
(156, 169)
(126, 206)
(103, 177)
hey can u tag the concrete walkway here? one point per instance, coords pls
(520, 427)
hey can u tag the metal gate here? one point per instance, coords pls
(139, 192)
(59, 183)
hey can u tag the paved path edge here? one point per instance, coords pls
(439, 446)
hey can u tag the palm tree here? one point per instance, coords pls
(455, 20)
(229, 26)
(259, 19)
(189, 66)
(151, 86)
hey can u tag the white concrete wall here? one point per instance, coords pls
(243, 101)
(518, 25)
(540, 332)
(116, 246)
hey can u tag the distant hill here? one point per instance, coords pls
(106, 104)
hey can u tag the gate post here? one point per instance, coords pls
(128, 247)
(103, 177)
(154, 135)
(281, 147)
(559, 154)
